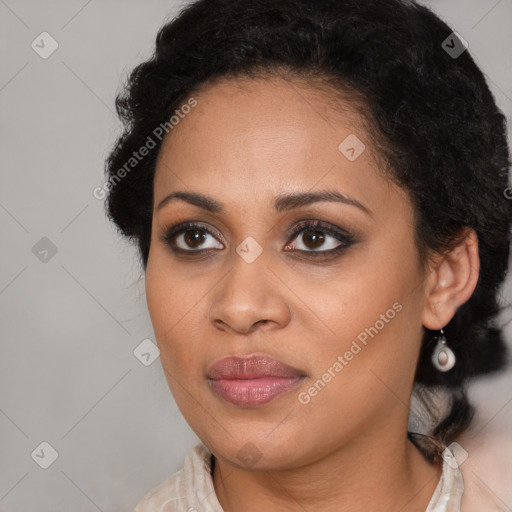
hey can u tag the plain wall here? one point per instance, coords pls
(69, 325)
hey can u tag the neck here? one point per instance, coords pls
(381, 473)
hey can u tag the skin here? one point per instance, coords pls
(245, 143)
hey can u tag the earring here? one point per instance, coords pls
(443, 357)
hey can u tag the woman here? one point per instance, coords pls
(318, 196)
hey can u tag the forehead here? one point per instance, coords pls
(250, 137)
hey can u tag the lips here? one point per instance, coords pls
(251, 367)
(251, 381)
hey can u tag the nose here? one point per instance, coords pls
(247, 297)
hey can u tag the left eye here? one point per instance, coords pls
(312, 239)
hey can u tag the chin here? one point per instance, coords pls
(252, 448)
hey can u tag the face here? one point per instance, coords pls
(288, 322)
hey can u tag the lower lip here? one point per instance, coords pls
(253, 392)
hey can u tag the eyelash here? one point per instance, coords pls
(345, 238)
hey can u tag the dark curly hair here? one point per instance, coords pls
(430, 114)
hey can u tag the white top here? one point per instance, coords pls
(191, 488)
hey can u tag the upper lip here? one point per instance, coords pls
(251, 367)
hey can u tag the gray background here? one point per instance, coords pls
(69, 325)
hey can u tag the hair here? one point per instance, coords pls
(430, 116)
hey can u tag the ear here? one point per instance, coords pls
(451, 282)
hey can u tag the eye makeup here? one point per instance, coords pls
(194, 238)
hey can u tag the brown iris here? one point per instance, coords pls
(313, 239)
(194, 238)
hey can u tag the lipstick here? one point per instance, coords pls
(251, 381)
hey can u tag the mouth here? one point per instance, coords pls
(252, 381)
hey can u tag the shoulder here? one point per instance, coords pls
(163, 497)
(181, 491)
(487, 472)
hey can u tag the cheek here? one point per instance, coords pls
(176, 304)
(369, 313)
(354, 296)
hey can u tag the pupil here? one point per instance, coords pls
(194, 238)
(314, 240)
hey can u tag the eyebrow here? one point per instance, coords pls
(281, 203)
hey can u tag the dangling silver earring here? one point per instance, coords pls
(443, 357)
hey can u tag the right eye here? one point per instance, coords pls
(191, 237)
